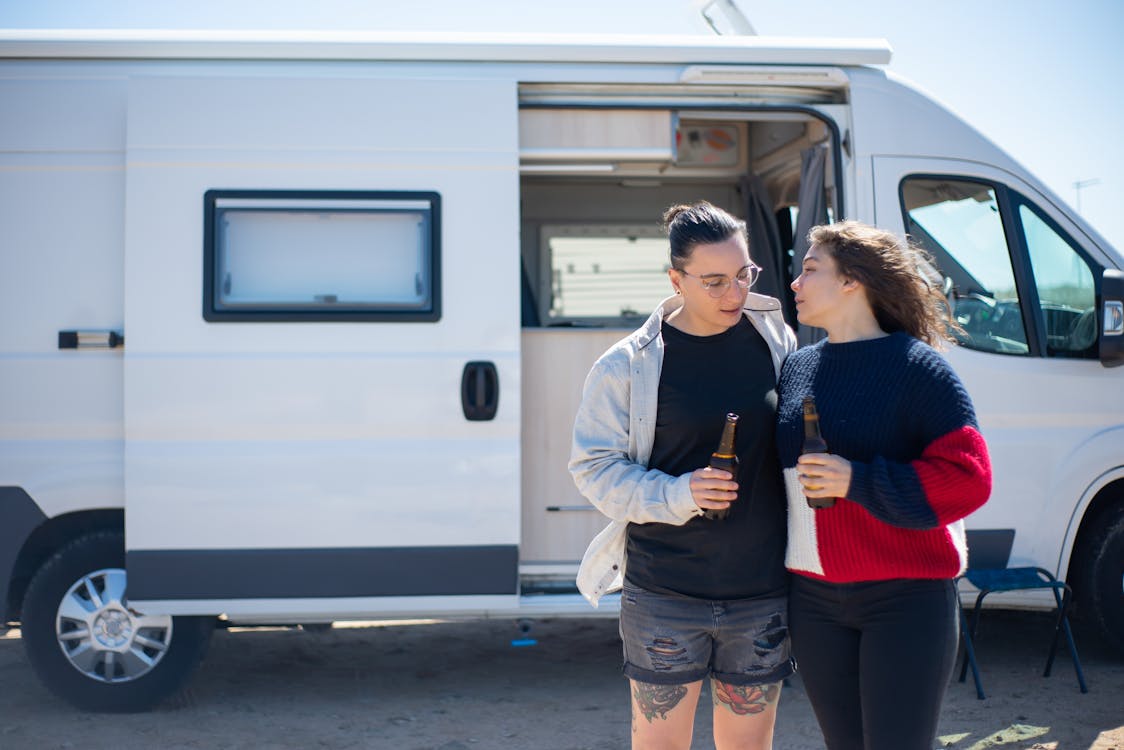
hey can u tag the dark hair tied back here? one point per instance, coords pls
(698, 224)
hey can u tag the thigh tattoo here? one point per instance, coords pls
(657, 700)
(744, 699)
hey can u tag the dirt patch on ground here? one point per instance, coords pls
(463, 685)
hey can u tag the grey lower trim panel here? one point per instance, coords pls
(322, 573)
(19, 516)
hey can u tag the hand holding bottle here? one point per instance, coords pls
(725, 458)
(713, 489)
(823, 475)
(814, 445)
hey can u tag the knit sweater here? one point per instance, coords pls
(894, 408)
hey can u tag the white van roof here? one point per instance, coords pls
(432, 46)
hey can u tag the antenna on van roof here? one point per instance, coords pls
(724, 17)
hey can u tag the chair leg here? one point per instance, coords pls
(969, 648)
(1076, 660)
(1069, 639)
(1058, 621)
(1061, 627)
(969, 653)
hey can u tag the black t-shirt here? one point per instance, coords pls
(703, 378)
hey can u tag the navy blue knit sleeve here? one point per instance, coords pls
(951, 476)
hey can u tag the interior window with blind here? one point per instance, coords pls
(603, 275)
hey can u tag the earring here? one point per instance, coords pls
(677, 291)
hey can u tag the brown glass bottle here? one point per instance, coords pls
(814, 443)
(726, 459)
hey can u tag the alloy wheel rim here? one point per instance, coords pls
(102, 637)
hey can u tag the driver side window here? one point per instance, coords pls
(958, 222)
(1066, 291)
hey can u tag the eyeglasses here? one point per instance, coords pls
(716, 286)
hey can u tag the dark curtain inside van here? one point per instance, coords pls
(812, 210)
(764, 236)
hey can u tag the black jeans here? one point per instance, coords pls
(875, 658)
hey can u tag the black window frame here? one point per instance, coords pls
(344, 313)
(1009, 201)
(1017, 199)
(1016, 253)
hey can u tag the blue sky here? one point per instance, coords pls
(1040, 77)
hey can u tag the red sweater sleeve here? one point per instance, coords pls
(955, 474)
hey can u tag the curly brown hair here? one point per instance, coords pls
(895, 276)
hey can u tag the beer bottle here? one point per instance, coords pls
(814, 443)
(725, 458)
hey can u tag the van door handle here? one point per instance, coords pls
(480, 391)
(90, 339)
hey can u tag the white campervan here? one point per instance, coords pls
(295, 326)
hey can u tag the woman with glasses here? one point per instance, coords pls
(703, 597)
(873, 605)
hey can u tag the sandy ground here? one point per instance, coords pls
(463, 685)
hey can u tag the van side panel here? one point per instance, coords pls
(61, 268)
(342, 444)
(1048, 420)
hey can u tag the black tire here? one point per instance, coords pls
(1098, 578)
(140, 672)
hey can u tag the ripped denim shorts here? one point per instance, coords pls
(674, 640)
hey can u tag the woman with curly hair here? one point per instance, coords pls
(873, 603)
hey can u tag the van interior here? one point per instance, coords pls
(596, 178)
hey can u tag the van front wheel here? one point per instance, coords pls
(90, 647)
(1099, 579)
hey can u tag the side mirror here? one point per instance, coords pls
(1111, 308)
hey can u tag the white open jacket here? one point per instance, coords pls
(613, 435)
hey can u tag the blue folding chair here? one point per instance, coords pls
(988, 553)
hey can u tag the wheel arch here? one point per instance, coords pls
(51, 535)
(1106, 500)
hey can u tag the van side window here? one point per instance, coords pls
(959, 223)
(1066, 290)
(321, 256)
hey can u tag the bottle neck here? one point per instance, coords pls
(726, 443)
(811, 426)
